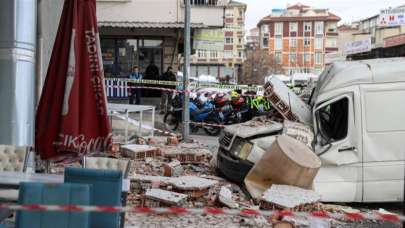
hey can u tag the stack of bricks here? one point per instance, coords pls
(278, 104)
(188, 157)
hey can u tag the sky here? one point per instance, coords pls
(348, 10)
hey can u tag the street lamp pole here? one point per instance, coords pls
(186, 71)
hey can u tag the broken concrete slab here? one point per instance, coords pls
(299, 131)
(290, 197)
(140, 152)
(225, 197)
(287, 162)
(192, 183)
(167, 197)
(150, 179)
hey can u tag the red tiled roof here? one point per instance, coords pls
(298, 6)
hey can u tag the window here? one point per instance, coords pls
(293, 42)
(331, 42)
(278, 43)
(240, 54)
(213, 54)
(265, 29)
(241, 13)
(319, 28)
(277, 57)
(228, 13)
(239, 40)
(265, 42)
(228, 54)
(307, 57)
(307, 26)
(318, 43)
(202, 53)
(293, 27)
(332, 27)
(278, 29)
(292, 57)
(203, 2)
(332, 121)
(307, 42)
(318, 58)
(229, 40)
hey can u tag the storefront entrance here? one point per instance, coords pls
(120, 55)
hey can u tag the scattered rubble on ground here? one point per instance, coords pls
(160, 197)
(181, 176)
(225, 197)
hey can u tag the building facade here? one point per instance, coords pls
(141, 33)
(252, 39)
(385, 32)
(299, 37)
(221, 52)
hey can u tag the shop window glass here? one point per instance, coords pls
(108, 54)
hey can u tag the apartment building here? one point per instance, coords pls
(252, 39)
(299, 36)
(221, 52)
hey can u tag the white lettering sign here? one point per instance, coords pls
(391, 17)
(358, 46)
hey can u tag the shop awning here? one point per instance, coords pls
(135, 24)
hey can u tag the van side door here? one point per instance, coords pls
(336, 131)
(337, 127)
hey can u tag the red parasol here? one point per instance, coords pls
(72, 116)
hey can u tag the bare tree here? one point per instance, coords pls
(258, 65)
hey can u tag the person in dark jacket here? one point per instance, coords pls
(151, 73)
(168, 76)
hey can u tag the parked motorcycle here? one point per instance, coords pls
(200, 112)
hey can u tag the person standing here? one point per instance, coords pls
(135, 92)
(151, 73)
(168, 76)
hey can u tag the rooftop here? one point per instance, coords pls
(347, 73)
(299, 12)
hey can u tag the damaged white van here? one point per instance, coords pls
(357, 112)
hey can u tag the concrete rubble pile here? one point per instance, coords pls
(168, 173)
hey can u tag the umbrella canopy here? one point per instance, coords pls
(72, 116)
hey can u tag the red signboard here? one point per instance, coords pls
(394, 41)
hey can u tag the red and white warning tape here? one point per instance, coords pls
(208, 124)
(358, 216)
(165, 132)
(164, 89)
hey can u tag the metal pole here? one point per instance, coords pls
(186, 71)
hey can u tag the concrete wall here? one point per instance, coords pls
(210, 16)
(139, 10)
(168, 11)
(50, 12)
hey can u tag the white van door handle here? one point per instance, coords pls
(352, 148)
